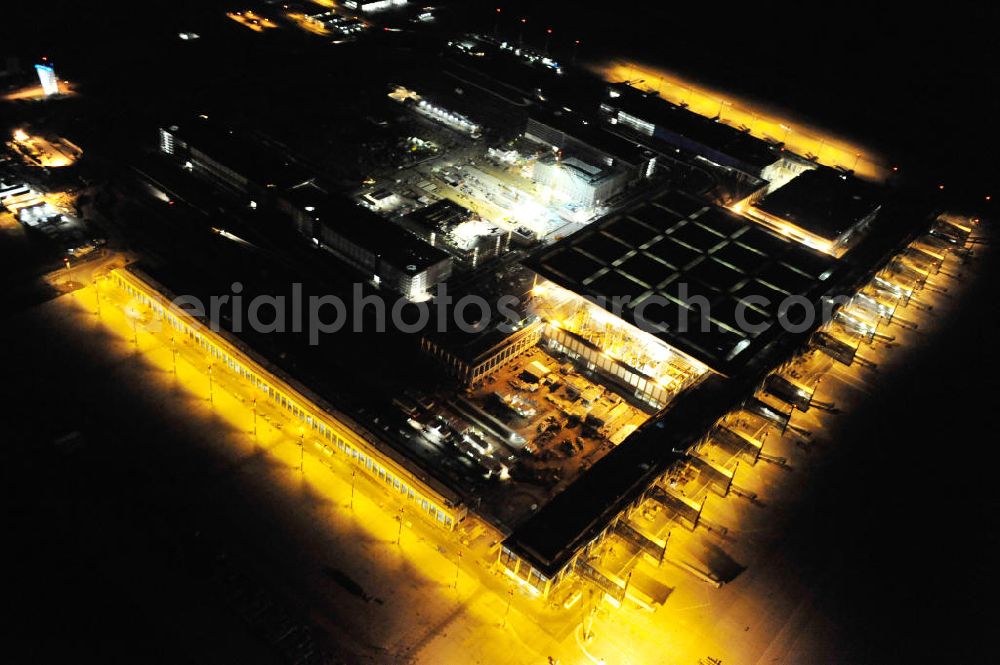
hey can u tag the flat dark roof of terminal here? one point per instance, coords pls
(394, 244)
(748, 148)
(823, 201)
(592, 134)
(555, 533)
(725, 138)
(550, 537)
(675, 241)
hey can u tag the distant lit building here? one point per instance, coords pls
(380, 199)
(569, 132)
(579, 181)
(332, 21)
(448, 117)
(369, 6)
(668, 127)
(229, 159)
(468, 238)
(196, 159)
(390, 256)
(11, 189)
(47, 77)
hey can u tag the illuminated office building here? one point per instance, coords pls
(47, 77)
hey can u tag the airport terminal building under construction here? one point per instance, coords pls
(643, 334)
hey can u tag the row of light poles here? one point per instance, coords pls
(723, 104)
(400, 518)
(211, 398)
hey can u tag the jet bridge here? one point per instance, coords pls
(645, 544)
(788, 391)
(738, 440)
(609, 586)
(834, 348)
(892, 285)
(902, 271)
(772, 415)
(721, 476)
(681, 506)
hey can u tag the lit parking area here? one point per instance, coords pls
(48, 152)
(328, 23)
(50, 216)
(252, 20)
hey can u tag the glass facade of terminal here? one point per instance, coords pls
(524, 571)
(600, 341)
